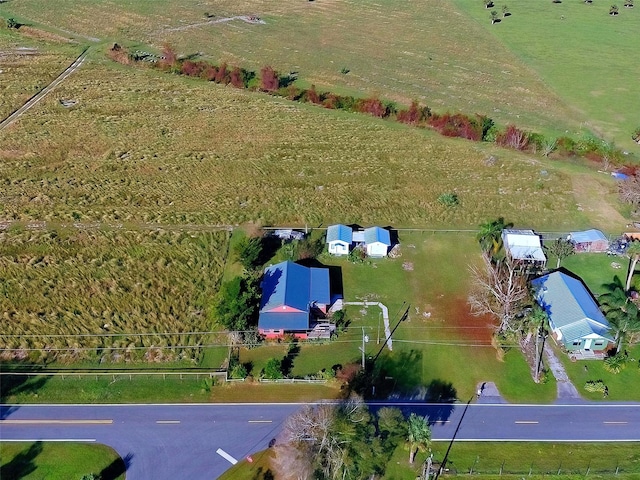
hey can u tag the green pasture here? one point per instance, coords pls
(582, 53)
(400, 50)
(59, 461)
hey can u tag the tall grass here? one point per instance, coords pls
(115, 282)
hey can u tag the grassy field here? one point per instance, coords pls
(425, 53)
(546, 67)
(28, 63)
(151, 282)
(58, 461)
(575, 47)
(218, 155)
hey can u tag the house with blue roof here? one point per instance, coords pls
(294, 299)
(589, 241)
(575, 318)
(339, 239)
(377, 241)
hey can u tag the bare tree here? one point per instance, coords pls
(499, 289)
(561, 248)
(629, 191)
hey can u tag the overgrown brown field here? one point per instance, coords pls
(28, 63)
(59, 285)
(430, 51)
(145, 146)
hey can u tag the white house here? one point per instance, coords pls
(377, 241)
(524, 245)
(339, 239)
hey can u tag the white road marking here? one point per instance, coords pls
(615, 423)
(226, 456)
(164, 422)
(526, 422)
(31, 440)
(260, 421)
(55, 422)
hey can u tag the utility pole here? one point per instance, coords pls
(365, 339)
(537, 356)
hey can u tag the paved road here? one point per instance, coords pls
(182, 441)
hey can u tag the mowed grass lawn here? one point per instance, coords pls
(583, 54)
(58, 461)
(144, 146)
(439, 343)
(399, 50)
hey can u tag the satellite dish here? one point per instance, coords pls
(366, 338)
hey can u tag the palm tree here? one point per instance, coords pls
(494, 17)
(613, 10)
(628, 3)
(622, 315)
(490, 235)
(505, 11)
(418, 435)
(633, 252)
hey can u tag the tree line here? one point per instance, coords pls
(471, 127)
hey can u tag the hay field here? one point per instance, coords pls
(75, 282)
(401, 50)
(142, 146)
(27, 64)
(586, 56)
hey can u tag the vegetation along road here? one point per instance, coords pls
(202, 441)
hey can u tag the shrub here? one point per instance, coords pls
(372, 106)
(192, 69)
(615, 364)
(513, 137)
(449, 199)
(273, 369)
(457, 125)
(636, 135)
(269, 80)
(239, 371)
(12, 23)
(249, 251)
(236, 78)
(222, 74)
(595, 386)
(414, 115)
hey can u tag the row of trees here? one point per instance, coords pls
(471, 127)
(346, 441)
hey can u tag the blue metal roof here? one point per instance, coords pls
(288, 284)
(377, 234)
(339, 232)
(569, 305)
(588, 236)
(284, 321)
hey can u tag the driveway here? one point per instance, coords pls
(567, 392)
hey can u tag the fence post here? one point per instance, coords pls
(588, 468)
(531, 469)
(501, 467)
(559, 468)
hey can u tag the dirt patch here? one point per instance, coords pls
(465, 326)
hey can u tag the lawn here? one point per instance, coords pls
(439, 344)
(59, 461)
(575, 47)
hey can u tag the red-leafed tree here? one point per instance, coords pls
(513, 137)
(311, 95)
(222, 75)
(269, 79)
(237, 78)
(169, 57)
(192, 69)
(414, 115)
(210, 72)
(372, 106)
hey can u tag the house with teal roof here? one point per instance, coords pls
(575, 318)
(294, 300)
